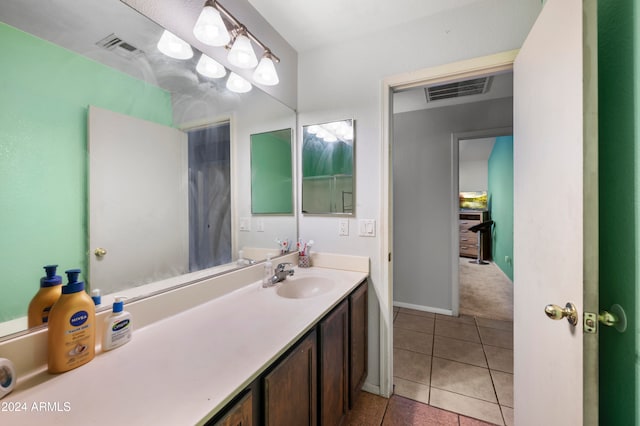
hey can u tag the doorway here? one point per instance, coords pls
(485, 196)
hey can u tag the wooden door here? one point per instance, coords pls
(290, 390)
(334, 365)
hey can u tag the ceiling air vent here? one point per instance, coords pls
(115, 44)
(475, 86)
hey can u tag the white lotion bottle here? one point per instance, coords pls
(117, 327)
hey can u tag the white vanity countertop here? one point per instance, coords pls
(182, 369)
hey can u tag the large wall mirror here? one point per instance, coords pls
(327, 168)
(59, 59)
(271, 173)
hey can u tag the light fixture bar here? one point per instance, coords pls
(237, 24)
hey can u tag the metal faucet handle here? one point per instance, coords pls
(281, 266)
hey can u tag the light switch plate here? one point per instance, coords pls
(343, 227)
(367, 227)
(245, 224)
(260, 225)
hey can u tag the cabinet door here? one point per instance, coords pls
(240, 414)
(334, 365)
(359, 330)
(290, 396)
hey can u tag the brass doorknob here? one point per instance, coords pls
(569, 312)
(100, 252)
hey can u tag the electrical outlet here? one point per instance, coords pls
(343, 227)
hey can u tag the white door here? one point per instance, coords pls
(138, 201)
(555, 215)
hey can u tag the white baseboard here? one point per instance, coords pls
(374, 389)
(424, 308)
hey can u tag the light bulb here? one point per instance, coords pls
(210, 67)
(266, 73)
(173, 46)
(237, 84)
(241, 54)
(210, 28)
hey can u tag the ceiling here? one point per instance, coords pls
(476, 149)
(308, 24)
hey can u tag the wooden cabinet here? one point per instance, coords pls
(469, 239)
(358, 340)
(317, 380)
(334, 365)
(290, 396)
(240, 413)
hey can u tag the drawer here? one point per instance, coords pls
(468, 239)
(466, 224)
(468, 250)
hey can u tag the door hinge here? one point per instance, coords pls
(389, 256)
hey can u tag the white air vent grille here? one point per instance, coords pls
(475, 86)
(115, 44)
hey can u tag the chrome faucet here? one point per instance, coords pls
(281, 273)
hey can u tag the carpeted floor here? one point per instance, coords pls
(485, 291)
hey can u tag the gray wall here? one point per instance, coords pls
(422, 194)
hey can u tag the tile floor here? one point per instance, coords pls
(447, 371)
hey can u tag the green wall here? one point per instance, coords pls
(500, 194)
(45, 92)
(618, 94)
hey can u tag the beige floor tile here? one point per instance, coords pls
(467, 319)
(456, 330)
(503, 382)
(493, 323)
(414, 322)
(495, 337)
(417, 312)
(499, 358)
(507, 413)
(459, 350)
(412, 340)
(463, 379)
(465, 405)
(412, 366)
(411, 390)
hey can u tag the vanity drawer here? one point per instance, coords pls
(468, 239)
(466, 224)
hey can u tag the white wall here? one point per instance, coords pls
(422, 197)
(474, 175)
(344, 81)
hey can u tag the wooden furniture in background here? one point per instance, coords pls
(468, 239)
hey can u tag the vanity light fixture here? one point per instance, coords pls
(237, 84)
(241, 54)
(173, 46)
(265, 73)
(210, 67)
(210, 28)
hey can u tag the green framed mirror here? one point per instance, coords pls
(271, 173)
(328, 168)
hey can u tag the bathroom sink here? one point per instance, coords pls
(304, 287)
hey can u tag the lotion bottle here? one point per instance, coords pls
(72, 328)
(50, 289)
(117, 327)
(268, 272)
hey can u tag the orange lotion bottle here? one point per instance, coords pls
(40, 305)
(72, 327)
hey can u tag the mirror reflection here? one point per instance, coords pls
(55, 69)
(327, 168)
(271, 168)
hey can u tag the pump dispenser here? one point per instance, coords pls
(71, 338)
(117, 327)
(40, 305)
